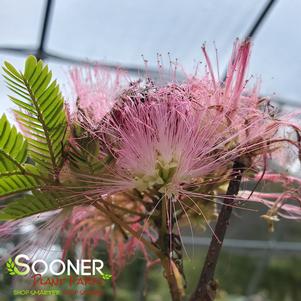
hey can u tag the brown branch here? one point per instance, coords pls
(125, 226)
(207, 286)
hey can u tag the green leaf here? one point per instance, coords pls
(41, 112)
(38, 202)
(84, 156)
(15, 175)
(14, 183)
(13, 147)
(85, 162)
(11, 70)
(30, 66)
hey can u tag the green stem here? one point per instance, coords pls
(171, 273)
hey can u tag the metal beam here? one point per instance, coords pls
(260, 19)
(252, 245)
(40, 53)
(45, 55)
(258, 22)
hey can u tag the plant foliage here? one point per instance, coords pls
(40, 112)
(30, 162)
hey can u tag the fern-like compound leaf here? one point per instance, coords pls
(35, 203)
(41, 112)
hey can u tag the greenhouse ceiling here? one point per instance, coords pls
(118, 32)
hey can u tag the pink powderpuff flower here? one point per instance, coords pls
(174, 139)
(168, 143)
(284, 204)
(239, 106)
(89, 227)
(96, 90)
(39, 233)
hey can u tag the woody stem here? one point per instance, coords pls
(207, 287)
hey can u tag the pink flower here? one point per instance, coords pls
(174, 136)
(167, 143)
(180, 140)
(96, 90)
(39, 233)
(89, 227)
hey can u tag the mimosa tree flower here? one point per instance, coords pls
(90, 227)
(96, 90)
(180, 140)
